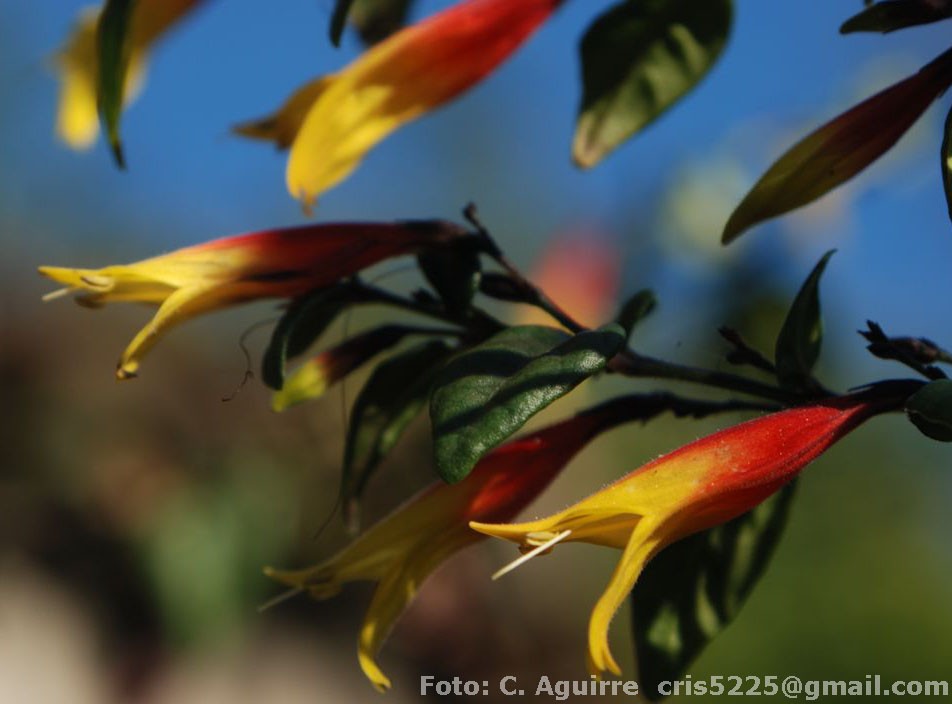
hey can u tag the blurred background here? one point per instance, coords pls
(135, 517)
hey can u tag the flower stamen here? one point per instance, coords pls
(538, 550)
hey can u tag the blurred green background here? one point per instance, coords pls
(135, 518)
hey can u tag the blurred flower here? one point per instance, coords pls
(318, 374)
(278, 263)
(401, 551)
(580, 271)
(703, 484)
(331, 124)
(77, 121)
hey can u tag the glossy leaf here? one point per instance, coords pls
(114, 50)
(636, 309)
(638, 59)
(393, 396)
(840, 149)
(339, 20)
(891, 15)
(305, 320)
(454, 272)
(801, 337)
(930, 410)
(487, 393)
(947, 161)
(693, 589)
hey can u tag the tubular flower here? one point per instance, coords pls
(280, 263)
(703, 484)
(331, 124)
(77, 121)
(401, 551)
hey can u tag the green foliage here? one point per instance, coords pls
(339, 20)
(375, 20)
(454, 272)
(114, 48)
(393, 396)
(488, 393)
(801, 337)
(890, 15)
(635, 309)
(930, 410)
(305, 320)
(638, 59)
(694, 588)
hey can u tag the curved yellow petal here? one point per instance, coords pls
(642, 545)
(282, 126)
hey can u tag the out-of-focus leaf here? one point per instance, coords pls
(890, 15)
(801, 337)
(840, 149)
(393, 396)
(638, 59)
(487, 393)
(454, 272)
(303, 322)
(375, 20)
(693, 589)
(114, 50)
(636, 309)
(947, 161)
(930, 410)
(339, 20)
(312, 379)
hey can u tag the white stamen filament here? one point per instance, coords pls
(559, 537)
(58, 293)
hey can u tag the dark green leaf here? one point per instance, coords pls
(305, 320)
(392, 397)
(801, 337)
(636, 309)
(947, 161)
(638, 59)
(930, 410)
(114, 48)
(339, 20)
(891, 15)
(693, 589)
(375, 20)
(454, 272)
(487, 393)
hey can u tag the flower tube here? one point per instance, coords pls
(280, 263)
(696, 487)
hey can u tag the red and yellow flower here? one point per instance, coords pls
(701, 485)
(401, 551)
(331, 123)
(281, 263)
(77, 121)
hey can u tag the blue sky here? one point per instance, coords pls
(505, 145)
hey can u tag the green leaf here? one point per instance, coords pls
(454, 272)
(694, 588)
(636, 309)
(487, 393)
(891, 15)
(930, 410)
(947, 161)
(842, 148)
(801, 337)
(393, 396)
(305, 320)
(638, 59)
(339, 20)
(114, 48)
(375, 20)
